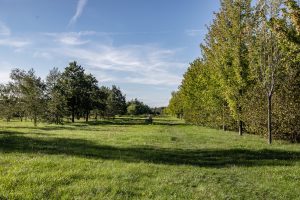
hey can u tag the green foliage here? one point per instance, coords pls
(136, 107)
(56, 102)
(8, 101)
(249, 71)
(30, 89)
(175, 105)
(72, 84)
(69, 93)
(116, 102)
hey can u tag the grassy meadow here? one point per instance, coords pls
(127, 159)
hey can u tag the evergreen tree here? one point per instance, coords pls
(89, 94)
(116, 102)
(71, 85)
(56, 102)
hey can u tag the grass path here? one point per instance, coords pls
(129, 160)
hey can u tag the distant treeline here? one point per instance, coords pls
(248, 77)
(71, 94)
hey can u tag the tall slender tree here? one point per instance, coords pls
(266, 55)
(56, 102)
(229, 37)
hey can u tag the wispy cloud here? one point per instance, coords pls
(12, 42)
(41, 54)
(4, 30)
(71, 38)
(194, 32)
(142, 64)
(140, 67)
(147, 64)
(79, 9)
(6, 39)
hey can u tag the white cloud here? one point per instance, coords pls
(4, 30)
(194, 32)
(71, 38)
(4, 72)
(11, 42)
(80, 6)
(41, 54)
(142, 64)
(7, 40)
(137, 66)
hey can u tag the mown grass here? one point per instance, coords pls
(126, 159)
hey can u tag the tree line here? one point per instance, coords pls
(71, 94)
(248, 78)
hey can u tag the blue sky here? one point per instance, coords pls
(143, 46)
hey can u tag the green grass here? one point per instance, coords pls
(127, 159)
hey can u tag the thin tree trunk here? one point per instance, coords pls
(270, 119)
(240, 127)
(35, 120)
(240, 122)
(224, 124)
(73, 114)
(87, 116)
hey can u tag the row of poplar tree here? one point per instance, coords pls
(72, 93)
(248, 77)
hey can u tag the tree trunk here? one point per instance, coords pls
(73, 115)
(240, 122)
(223, 117)
(240, 127)
(270, 119)
(87, 116)
(35, 120)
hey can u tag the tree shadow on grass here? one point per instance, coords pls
(215, 158)
(133, 121)
(90, 126)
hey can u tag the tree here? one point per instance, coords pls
(266, 55)
(89, 94)
(228, 41)
(175, 106)
(116, 102)
(136, 107)
(32, 90)
(56, 102)
(71, 85)
(101, 106)
(8, 101)
(288, 24)
(287, 29)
